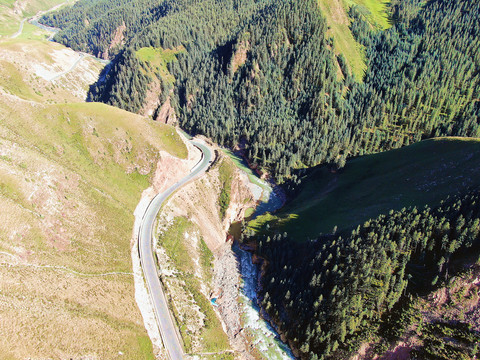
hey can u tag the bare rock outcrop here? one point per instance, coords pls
(166, 113)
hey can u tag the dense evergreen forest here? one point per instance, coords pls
(423, 74)
(92, 26)
(330, 294)
(261, 73)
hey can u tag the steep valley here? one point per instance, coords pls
(71, 175)
(192, 236)
(339, 215)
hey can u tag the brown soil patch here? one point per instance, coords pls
(240, 56)
(118, 39)
(400, 352)
(166, 113)
(459, 301)
(152, 98)
(198, 201)
(338, 13)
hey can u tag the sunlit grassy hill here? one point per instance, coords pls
(70, 178)
(12, 12)
(71, 175)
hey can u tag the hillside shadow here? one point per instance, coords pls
(94, 89)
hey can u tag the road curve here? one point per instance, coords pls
(164, 320)
(60, 74)
(19, 31)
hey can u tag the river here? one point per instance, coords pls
(265, 338)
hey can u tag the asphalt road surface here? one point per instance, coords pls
(19, 30)
(164, 320)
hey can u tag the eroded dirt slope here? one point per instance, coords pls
(194, 213)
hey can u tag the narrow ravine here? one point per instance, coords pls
(265, 339)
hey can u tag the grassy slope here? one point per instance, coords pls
(67, 193)
(26, 60)
(420, 174)
(71, 176)
(194, 266)
(335, 12)
(159, 58)
(377, 8)
(11, 16)
(226, 173)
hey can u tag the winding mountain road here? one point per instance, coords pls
(19, 31)
(165, 322)
(74, 65)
